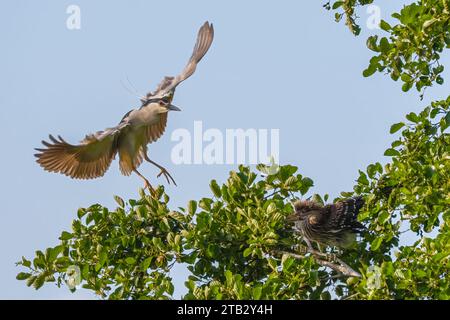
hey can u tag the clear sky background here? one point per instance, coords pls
(283, 64)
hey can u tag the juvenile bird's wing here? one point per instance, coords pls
(204, 39)
(344, 214)
(90, 159)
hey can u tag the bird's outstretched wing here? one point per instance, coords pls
(204, 39)
(90, 159)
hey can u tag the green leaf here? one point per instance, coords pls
(229, 277)
(81, 212)
(429, 172)
(371, 69)
(247, 252)
(447, 119)
(391, 153)
(130, 260)
(384, 45)
(103, 258)
(406, 77)
(385, 26)
(412, 117)
(30, 281)
(65, 235)
(256, 292)
(375, 245)
(337, 4)
(429, 23)
(39, 281)
(407, 86)
(192, 207)
(23, 276)
(363, 178)
(317, 198)
(25, 262)
(395, 127)
(205, 204)
(383, 217)
(146, 263)
(53, 253)
(352, 281)
(287, 262)
(119, 201)
(372, 43)
(215, 188)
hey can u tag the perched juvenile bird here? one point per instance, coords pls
(139, 127)
(334, 224)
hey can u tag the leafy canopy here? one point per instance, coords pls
(415, 39)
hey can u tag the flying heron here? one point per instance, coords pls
(92, 157)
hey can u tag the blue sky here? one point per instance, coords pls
(285, 65)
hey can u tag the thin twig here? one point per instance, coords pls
(272, 194)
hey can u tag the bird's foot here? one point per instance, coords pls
(166, 175)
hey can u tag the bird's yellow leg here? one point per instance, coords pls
(146, 182)
(163, 170)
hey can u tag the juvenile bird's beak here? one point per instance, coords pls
(292, 217)
(173, 108)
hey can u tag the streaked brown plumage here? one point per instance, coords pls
(139, 127)
(333, 224)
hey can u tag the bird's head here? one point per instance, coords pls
(162, 104)
(303, 206)
(165, 104)
(303, 209)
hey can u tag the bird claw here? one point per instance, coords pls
(167, 176)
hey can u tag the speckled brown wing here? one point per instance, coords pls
(87, 160)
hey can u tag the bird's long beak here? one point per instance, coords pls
(173, 108)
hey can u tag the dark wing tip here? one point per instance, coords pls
(208, 25)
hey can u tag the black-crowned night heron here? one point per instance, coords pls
(139, 127)
(334, 224)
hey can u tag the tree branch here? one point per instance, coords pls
(342, 267)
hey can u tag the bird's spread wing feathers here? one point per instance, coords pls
(90, 159)
(155, 131)
(204, 39)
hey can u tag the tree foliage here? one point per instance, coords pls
(412, 48)
(236, 243)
